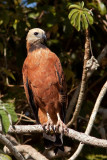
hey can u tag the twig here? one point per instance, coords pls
(72, 103)
(84, 77)
(5, 61)
(12, 149)
(76, 93)
(27, 140)
(19, 118)
(26, 150)
(96, 107)
(28, 119)
(73, 89)
(92, 119)
(82, 137)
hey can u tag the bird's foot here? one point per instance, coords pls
(48, 127)
(60, 126)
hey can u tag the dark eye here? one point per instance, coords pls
(36, 33)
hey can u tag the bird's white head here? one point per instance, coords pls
(36, 35)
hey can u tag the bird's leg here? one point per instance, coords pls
(60, 125)
(49, 125)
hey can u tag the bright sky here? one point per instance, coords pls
(28, 5)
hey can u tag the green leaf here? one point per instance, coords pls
(102, 8)
(74, 6)
(71, 13)
(8, 73)
(89, 18)
(7, 115)
(78, 21)
(11, 111)
(80, 17)
(82, 4)
(73, 22)
(33, 15)
(1, 22)
(5, 157)
(4, 120)
(84, 22)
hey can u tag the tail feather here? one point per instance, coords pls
(59, 148)
(59, 140)
(49, 140)
(54, 141)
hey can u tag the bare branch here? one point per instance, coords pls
(96, 107)
(82, 137)
(28, 151)
(12, 149)
(92, 119)
(76, 93)
(5, 61)
(72, 103)
(27, 119)
(84, 77)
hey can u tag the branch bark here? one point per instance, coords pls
(84, 77)
(28, 151)
(92, 119)
(12, 149)
(82, 137)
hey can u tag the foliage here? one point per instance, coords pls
(102, 8)
(7, 115)
(80, 17)
(98, 157)
(16, 18)
(4, 157)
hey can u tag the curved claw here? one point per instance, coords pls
(48, 127)
(61, 126)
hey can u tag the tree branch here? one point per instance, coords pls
(84, 77)
(72, 104)
(82, 137)
(76, 93)
(12, 149)
(92, 119)
(28, 151)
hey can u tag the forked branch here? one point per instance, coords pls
(92, 119)
(13, 150)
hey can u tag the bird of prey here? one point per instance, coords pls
(45, 86)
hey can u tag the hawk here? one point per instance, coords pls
(45, 87)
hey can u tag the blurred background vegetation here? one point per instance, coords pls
(16, 18)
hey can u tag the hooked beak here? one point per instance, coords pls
(44, 38)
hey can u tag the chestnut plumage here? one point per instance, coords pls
(44, 82)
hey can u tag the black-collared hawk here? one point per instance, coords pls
(45, 86)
